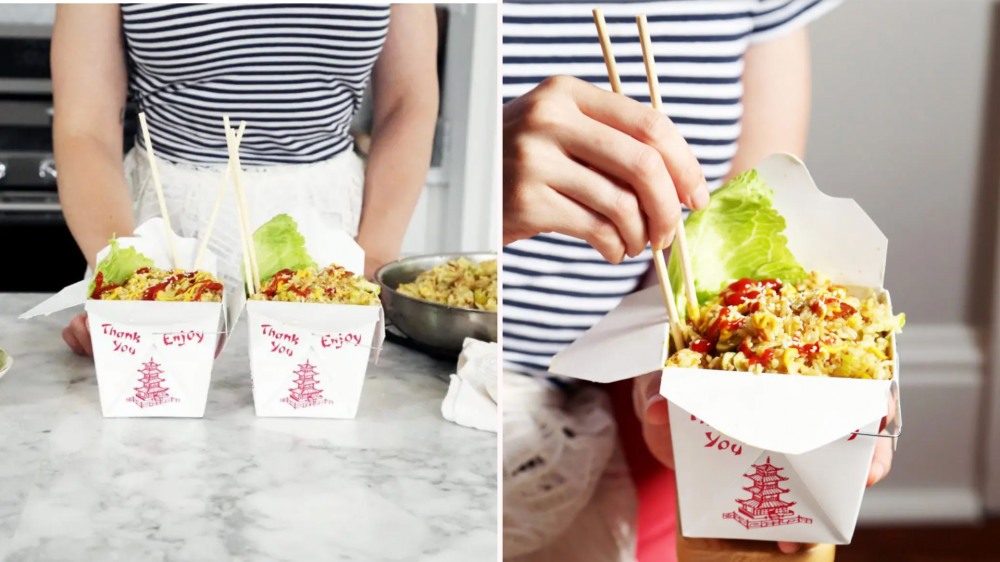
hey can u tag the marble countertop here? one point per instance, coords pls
(397, 483)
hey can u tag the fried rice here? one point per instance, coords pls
(152, 284)
(462, 283)
(332, 285)
(809, 328)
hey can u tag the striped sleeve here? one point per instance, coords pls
(775, 18)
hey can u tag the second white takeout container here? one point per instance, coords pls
(153, 358)
(310, 359)
(766, 457)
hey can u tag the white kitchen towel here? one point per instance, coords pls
(472, 395)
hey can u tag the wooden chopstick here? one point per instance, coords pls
(159, 190)
(218, 205)
(658, 261)
(680, 236)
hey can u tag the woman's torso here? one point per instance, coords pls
(295, 72)
(556, 287)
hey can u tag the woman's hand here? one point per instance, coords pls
(651, 409)
(77, 336)
(595, 165)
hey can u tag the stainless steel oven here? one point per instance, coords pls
(33, 232)
(34, 237)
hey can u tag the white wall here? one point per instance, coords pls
(899, 124)
(460, 196)
(32, 14)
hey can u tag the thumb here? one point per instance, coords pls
(650, 405)
(653, 411)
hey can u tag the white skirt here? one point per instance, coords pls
(567, 491)
(333, 188)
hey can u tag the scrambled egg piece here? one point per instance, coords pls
(460, 283)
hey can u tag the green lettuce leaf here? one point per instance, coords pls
(890, 324)
(119, 265)
(280, 246)
(738, 235)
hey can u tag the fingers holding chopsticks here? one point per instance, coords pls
(608, 203)
(621, 156)
(651, 128)
(590, 144)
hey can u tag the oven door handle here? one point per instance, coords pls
(47, 169)
(48, 207)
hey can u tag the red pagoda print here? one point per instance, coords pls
(305, 393)
(151, 393)
(765, 508)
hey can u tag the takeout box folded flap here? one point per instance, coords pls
(151, 241)
(68, 297)
(629, 341)
(775, 412)
(827, 234)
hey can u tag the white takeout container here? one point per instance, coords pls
(766, 457)
(310, 359)
(153, 358)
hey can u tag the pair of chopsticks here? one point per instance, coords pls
(250, 269)
(680, 236)
(233, 139)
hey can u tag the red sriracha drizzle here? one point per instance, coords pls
(763, 359)
(206, 286)
(739, 292)
(701, 345)
(807, 348)
(723, 322)
(150, 293)
(272, 287)
(845, 309)
(100, 287)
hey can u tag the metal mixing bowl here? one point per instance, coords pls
(436, 325)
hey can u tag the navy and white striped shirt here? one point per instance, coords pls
(556, 287)
(295, 72)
